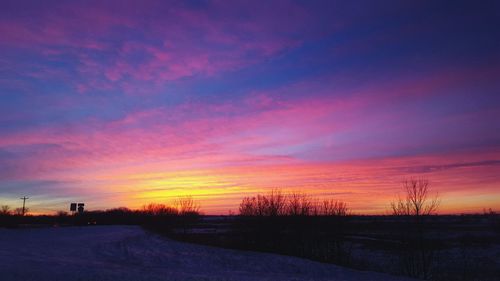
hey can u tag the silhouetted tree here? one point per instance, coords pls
(295, 204)
(296, 224)
(187, 206)
(248, 206)
(5, 210)
(272, 204)
(417, 253)
(299, 204)
(417, 201)
(154, 209)
(331, 207)
(21, 211)
(275, 203)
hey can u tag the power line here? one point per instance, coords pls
(24, 203)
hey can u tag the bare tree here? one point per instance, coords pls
(248, 206)
(299, 204)
(417, 200)
(159, 210)
(417, 252)
(275, 202)
(262, 205)
(21, 211)
(272, 204)
(331, 207)
(295, 204)
(5, 210)
(187, 206)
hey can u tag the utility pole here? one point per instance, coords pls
(24, 203)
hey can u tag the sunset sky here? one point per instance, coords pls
(122, 103)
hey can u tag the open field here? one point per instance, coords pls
(456, 247)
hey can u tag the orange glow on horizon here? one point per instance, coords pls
(367, 186)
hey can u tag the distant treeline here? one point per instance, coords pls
(276, 203)
(184, 209)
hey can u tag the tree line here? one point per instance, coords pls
(276, 203)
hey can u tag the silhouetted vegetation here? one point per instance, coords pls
(276, 203)
(5, 210)
(293, 224)
(418, 252)
(153, 216)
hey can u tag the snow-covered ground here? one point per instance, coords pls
(129, 253)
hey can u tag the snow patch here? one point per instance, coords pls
(130, 253)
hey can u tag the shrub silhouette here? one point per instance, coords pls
(330, 207)
(154, 209)
(272, 204)
(417, 251)
(299, 204)
(294, 224)
(186, 206)
(276, 203)
(5, 210)
(21, 211)
(417, 201)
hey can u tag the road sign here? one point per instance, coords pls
(81, 207)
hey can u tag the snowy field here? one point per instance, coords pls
(130, 253)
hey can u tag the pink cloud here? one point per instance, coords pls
(193, 41)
